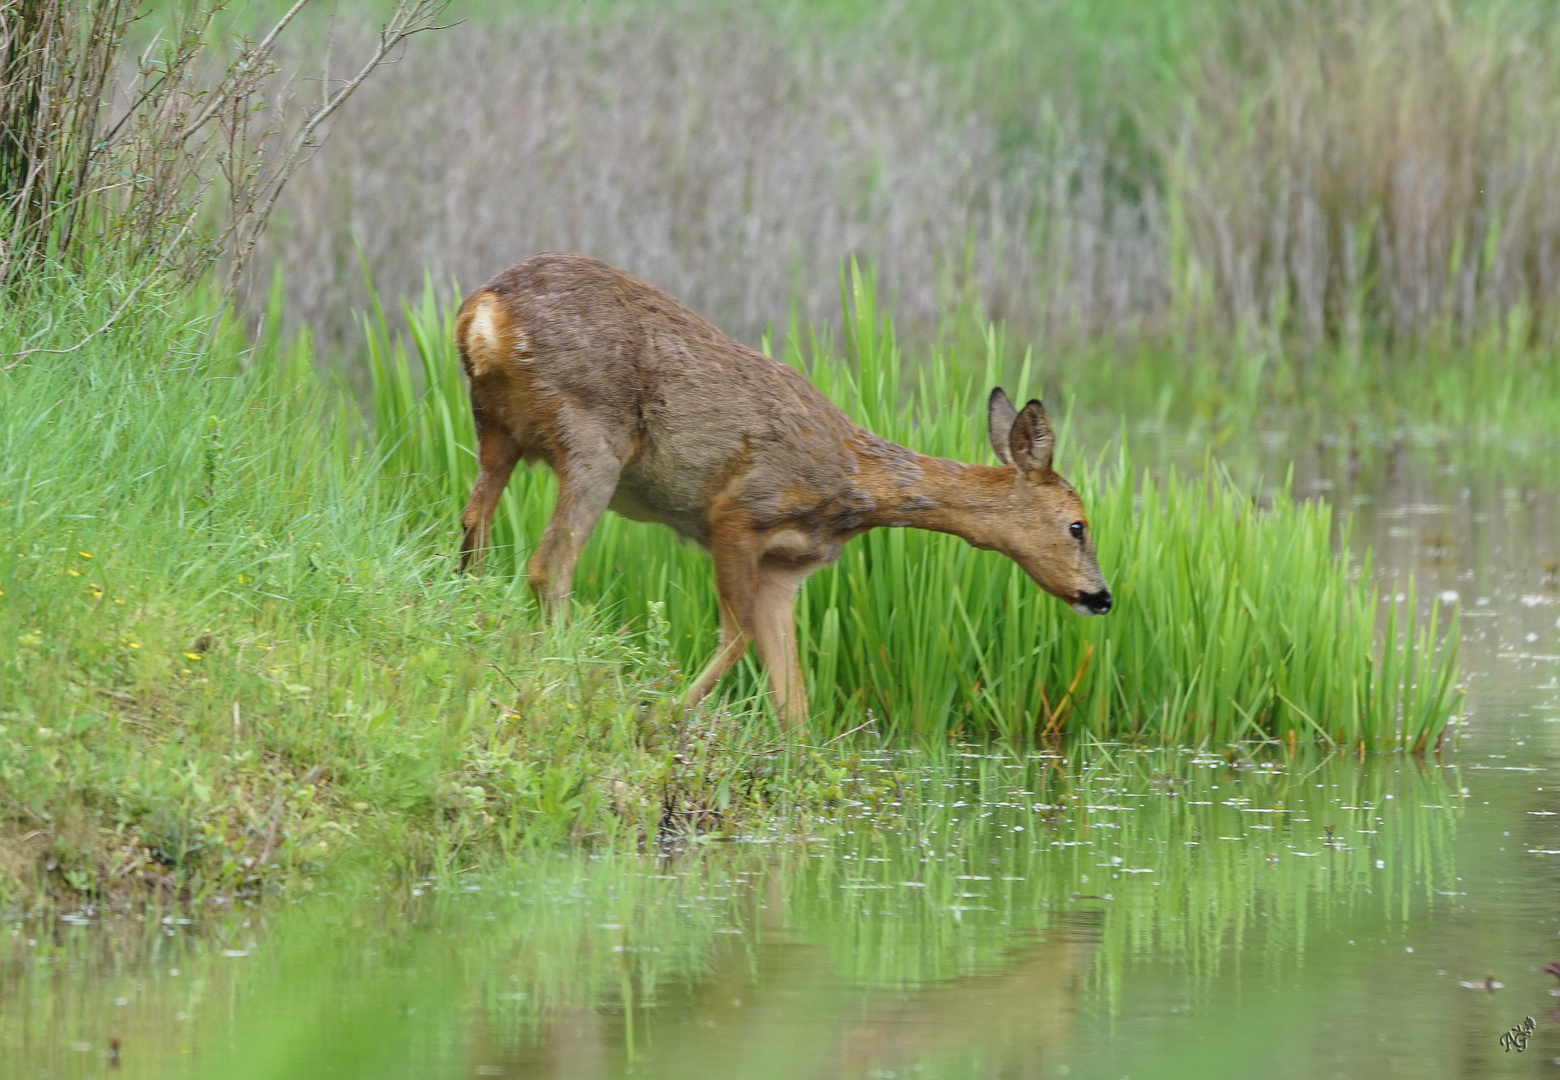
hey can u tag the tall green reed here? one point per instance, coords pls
(1235, 620)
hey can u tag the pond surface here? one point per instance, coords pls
(1097, 912)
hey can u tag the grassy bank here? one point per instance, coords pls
(1234, 619)
(226, 658)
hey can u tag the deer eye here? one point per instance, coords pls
(1076, 528)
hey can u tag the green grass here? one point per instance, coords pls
(1234, 620)
(227, 658)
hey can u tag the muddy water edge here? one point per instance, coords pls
(1099, 911)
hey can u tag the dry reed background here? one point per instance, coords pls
(1320, 173)
(732, 166)
(1394, 165)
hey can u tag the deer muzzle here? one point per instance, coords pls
(1092, 603)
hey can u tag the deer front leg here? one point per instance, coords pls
(775, 638)
(497, 453)
(587, 477)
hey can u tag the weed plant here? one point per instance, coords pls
(1234, 619)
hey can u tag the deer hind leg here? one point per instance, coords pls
(733, 644)
(774, 628)
(497, 453)
(736, 566)
(587, 477)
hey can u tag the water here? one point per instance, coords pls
(1112, 913)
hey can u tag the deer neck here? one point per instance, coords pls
(918, 491)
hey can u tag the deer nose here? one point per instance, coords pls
(1096, 602)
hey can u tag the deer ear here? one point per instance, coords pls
(1000, 415)
(1031, 440)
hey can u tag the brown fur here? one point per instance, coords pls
(642, 407)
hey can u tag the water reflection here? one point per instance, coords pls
(1009, 903)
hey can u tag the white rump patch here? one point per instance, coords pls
(484, 338)
(483, 330)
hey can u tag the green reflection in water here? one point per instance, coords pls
(1006, 912)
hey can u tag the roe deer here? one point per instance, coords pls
(642, 407)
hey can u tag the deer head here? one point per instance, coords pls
(1043, 526)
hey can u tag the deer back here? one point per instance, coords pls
(573, 355)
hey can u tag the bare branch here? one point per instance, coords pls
(252, 59)
(411, 17)
(71, 173)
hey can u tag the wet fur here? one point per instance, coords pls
(642, 407)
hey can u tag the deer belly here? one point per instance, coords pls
(629, 503)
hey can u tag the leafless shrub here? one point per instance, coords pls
(723, 160)
(101, 147)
